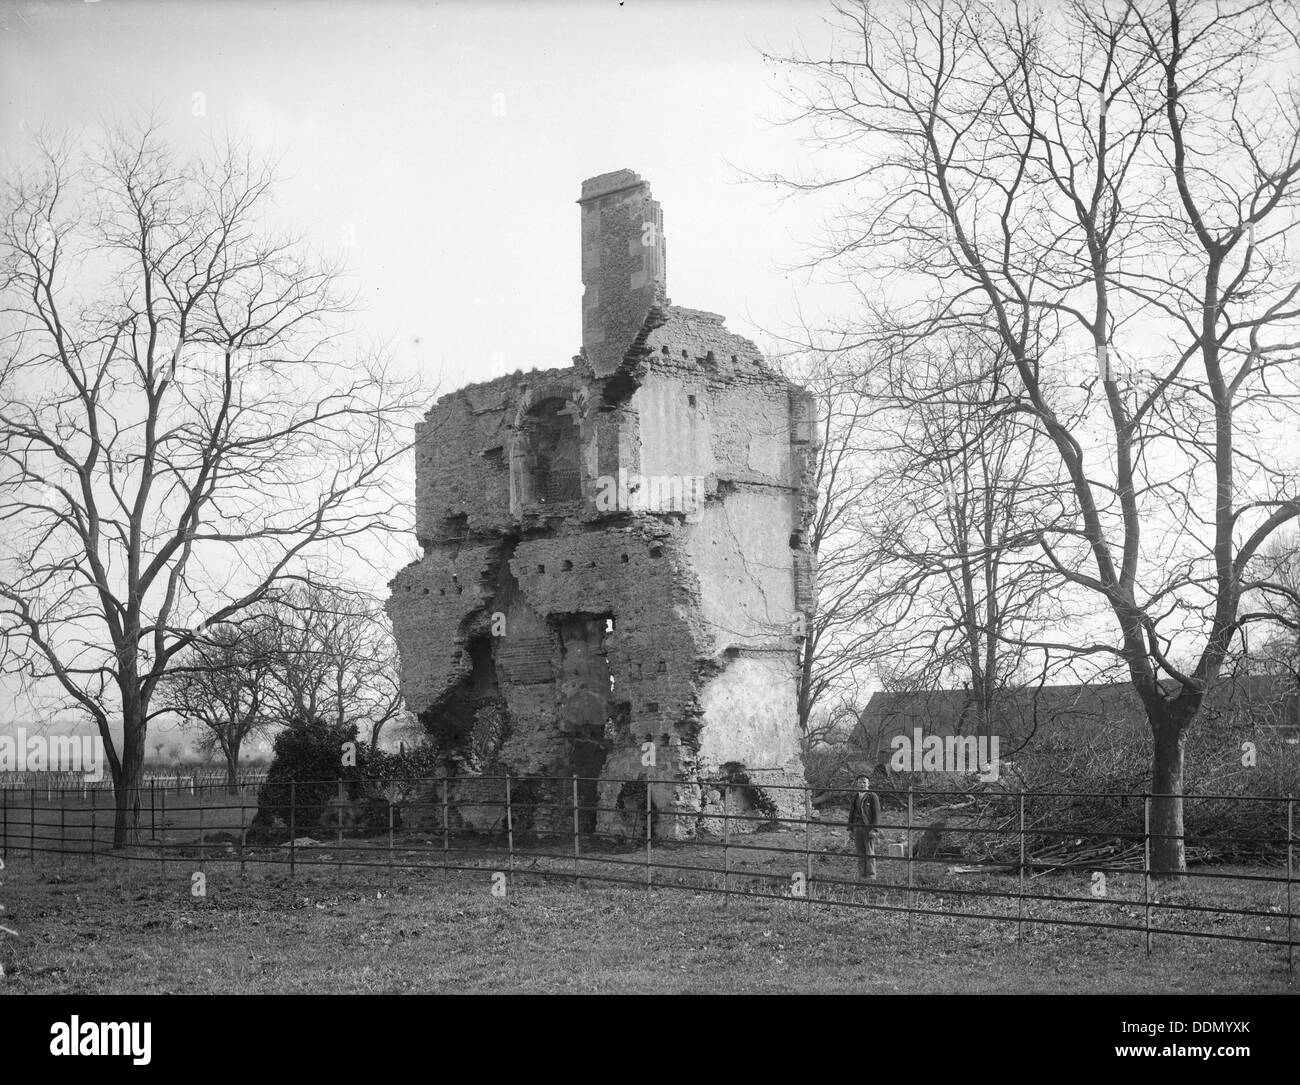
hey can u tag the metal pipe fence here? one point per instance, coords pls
(538, 827)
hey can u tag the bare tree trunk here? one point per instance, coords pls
(232, 768)
(805, 684)
(127, 778)
(1168, 854)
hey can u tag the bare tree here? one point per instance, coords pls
(219, 685)
(332, 658)
(1277, 595)
(1109, 192)
(961, 493)
(179, 429)
(833, 651)
(928, 574)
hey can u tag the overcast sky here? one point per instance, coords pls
(440, 147)
(449, 140)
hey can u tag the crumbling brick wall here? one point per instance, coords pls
(615, 553)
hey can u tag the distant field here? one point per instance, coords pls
(122, 926)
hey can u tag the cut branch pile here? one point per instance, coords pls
(1068, 832)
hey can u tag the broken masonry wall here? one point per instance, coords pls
(710, 405)
(430, 604)
(725, 566)
(727, 563)
(630, 575)
(667, 616)
(464, 449)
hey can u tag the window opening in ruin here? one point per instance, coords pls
(690, 400)
(483, 670)
(552, 443)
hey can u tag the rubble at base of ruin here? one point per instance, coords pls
(615, 576)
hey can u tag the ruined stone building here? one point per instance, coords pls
(615, 554)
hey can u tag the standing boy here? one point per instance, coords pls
(864, 817)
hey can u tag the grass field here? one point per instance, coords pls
(124, 927)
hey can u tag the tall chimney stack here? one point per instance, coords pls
(622, 265)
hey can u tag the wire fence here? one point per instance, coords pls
(1003, 866)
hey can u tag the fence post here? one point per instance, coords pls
(446, 823)
(1290, 875)
(1020, 892)
(63, 821)
(153, 799)
(338, 836)
(649, 835)
(162, 830)
(94, 807)
(4, 840)
(576, 845)
(726, 844)
(293, 825)
(510, 829)
(911, 897)
(807, 851)
(202, 850)
(31, 825)
(390, 840)
(1146, 866)
(446, 803)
